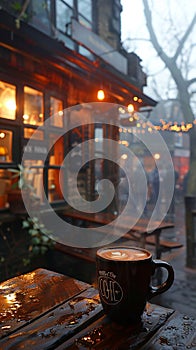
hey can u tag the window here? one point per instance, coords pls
(55, 163)
(44, 175)
(57, 152)
(64, 13)
(33, 106)
(85, 13)
(6, 139)
(65, 10)
(35, 176)
(85, 52)
(56, 111)
(30, 133)
(7, 101)
(40, 15)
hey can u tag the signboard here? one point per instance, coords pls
(94, 43)
(35, 149)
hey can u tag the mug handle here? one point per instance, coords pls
(156, 290)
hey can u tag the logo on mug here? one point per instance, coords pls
(110, 290)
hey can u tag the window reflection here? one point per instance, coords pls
(7, 101)
(33, 106)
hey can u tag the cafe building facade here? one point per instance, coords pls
(54, 55)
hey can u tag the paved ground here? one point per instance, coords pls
(182, 295)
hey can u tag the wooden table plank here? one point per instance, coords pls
(179, 333)
(45, 310)
(58, 325)
(25, 297)
(102, 334)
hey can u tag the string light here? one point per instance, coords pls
(163, 126)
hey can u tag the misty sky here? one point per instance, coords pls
(133, 26)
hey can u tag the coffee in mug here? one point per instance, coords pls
(124, 281)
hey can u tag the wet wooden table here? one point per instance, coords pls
(46, 310)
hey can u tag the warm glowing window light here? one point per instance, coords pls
(7, 100)
(10, 104)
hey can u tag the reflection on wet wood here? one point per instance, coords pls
(56, 326)
(46, 310)
(103, 334)
(178, 333)
(26, 297)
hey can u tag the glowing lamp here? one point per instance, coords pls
(100, 95)
(130, 108)
(157, 156)
(2, 135)
(3, 151)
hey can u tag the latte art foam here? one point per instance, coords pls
(123, 254)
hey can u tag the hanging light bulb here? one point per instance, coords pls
(100, 94)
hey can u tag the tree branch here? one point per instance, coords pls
(153, 36)
(185, 36)
(191, 81)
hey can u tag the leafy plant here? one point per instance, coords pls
(40, 241)
(23, 244)
(21, 175)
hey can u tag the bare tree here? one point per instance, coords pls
(174, 65)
